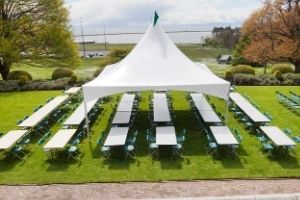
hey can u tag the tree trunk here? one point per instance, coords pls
(297, 66)
(4, 70)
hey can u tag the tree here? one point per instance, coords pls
(223, 37)
(227, 37)
(274, 32)
(35, 32)
(238, 57)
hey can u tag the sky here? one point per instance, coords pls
(136, 16)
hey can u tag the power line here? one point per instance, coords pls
(140, 33)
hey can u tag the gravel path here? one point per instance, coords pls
(163, 190)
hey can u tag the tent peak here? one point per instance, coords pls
(156, 17)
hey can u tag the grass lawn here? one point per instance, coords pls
(195, 165)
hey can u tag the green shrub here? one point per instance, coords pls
(248, 79)
(244, 79)
(278, 75)
(283, 68)
(15, 75)
(62, 73)
(98, 71)
(119, 53)
(291, 79)
(243, 69)
(73, 79)
(268, 79)
(228, 75)
(23, 80)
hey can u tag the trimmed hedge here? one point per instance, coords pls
(17, 85)
(242, 69)
(283, 68)
(291, 79)
(228, 75)
(17, 74)
(247, 79)
(62, 73)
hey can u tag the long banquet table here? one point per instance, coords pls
(44, 111)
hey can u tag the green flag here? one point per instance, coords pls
(155, 18)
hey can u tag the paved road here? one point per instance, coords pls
(202, 190)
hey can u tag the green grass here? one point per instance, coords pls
(195, 165)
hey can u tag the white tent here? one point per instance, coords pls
(155, 63)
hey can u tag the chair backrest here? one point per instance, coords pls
(208, 138)
(41, 141)
(183, 132)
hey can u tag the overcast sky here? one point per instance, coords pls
(130, 15)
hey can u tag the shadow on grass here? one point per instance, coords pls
(241, 151)
(62, 163)
(288, 162)
(230, 163)
(170, 164)
(8, 163)
(119, 163)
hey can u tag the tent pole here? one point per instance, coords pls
(86, 117)
(227, 108)
(226, 112)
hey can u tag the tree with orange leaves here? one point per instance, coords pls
(274, 32)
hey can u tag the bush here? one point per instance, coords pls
(243, 69)
(98, 71)
(62, 73)
(291, 79)
(244, 79)
(10, 85)
(119, 53)
(228, 75)
(23, 80)
(278, 75)
(15, 75)
(268, 79)
(283, 68)
(73, 79)
(248, 79)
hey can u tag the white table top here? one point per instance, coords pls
(209, 116)
(165, 135)
(252, 112)
(125, 106)
(277, 136)
(40, 114)
(223, 135)
(60, 139)
(161, 108)
(116, 136)
(72, 90)
(12, 137)
(236, 97)
(78, 115)
(200, 102)
(128, 97)
(121, 118)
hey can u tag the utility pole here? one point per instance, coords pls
(104, 36)
(84, 53)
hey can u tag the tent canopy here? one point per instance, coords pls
(155, 63)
